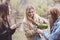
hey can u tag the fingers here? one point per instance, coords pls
(14, 26)
(38, 31)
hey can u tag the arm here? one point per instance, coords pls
(28, 32)
(42, 19)
(11, 30)
(7, 31)
(53, 35)
(39, 31)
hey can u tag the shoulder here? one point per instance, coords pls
(58, 23)
(58, 26)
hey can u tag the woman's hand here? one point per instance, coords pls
(14, 26)
(38, 31)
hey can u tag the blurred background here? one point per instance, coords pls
(17, 11)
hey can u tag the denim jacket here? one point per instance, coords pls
(54, 33)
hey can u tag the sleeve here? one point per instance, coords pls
(44, 34)
(42, 19)
(53, 35)
(11, 31)
(7, 31)
(28, 32)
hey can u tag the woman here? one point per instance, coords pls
(5, 30)
(54, 19)
(28, 22)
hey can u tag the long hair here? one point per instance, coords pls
(54, 13)
(28, 9)
(4, 12)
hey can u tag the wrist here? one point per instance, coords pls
(11, 28)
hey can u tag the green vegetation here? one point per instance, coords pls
(42, 26)
(42, 7)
